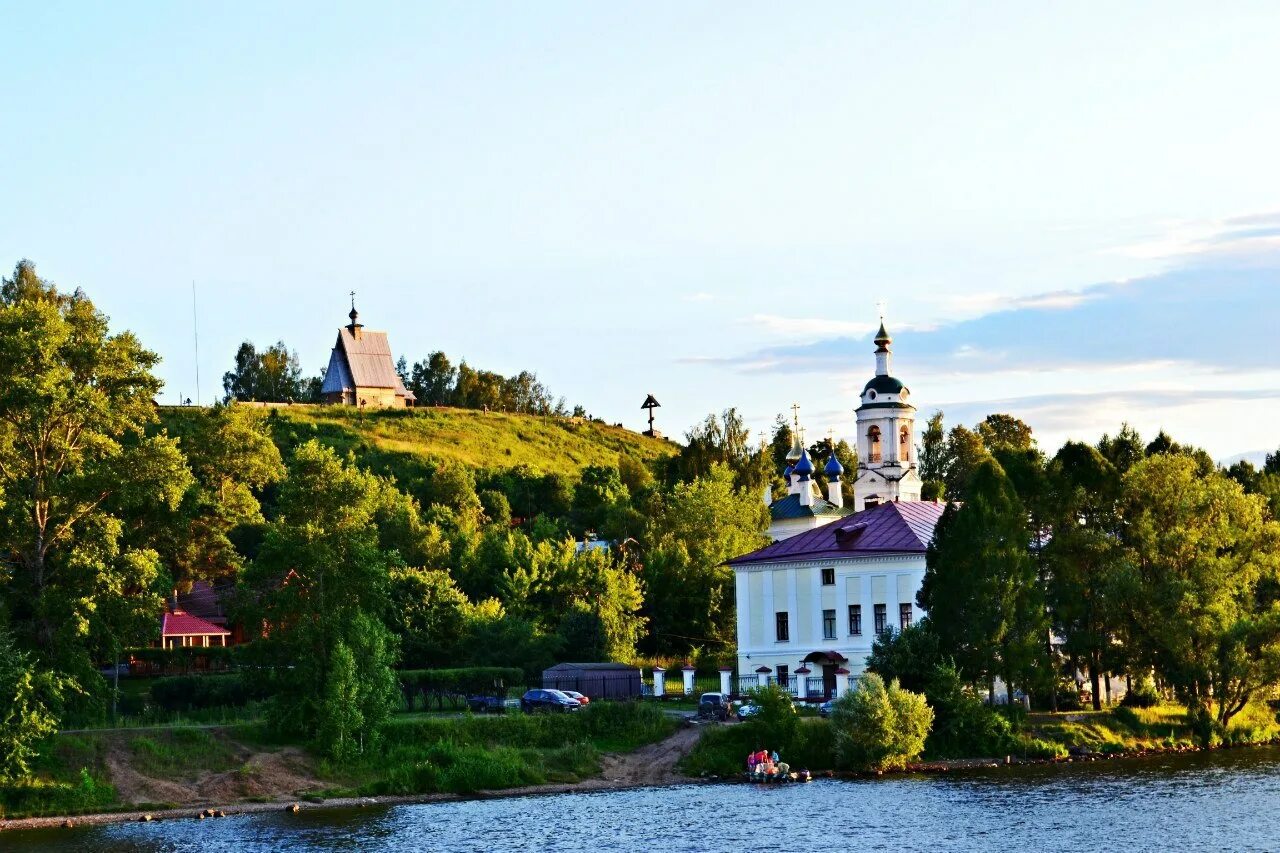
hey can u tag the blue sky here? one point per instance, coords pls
(1071, 213)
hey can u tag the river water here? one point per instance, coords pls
(1227, 800)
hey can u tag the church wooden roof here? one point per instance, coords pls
(362, 362)
(892, 528)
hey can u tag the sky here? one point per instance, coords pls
(1070, 212)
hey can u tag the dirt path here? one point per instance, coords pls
(277, 774)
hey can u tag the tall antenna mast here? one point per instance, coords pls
(195, 335)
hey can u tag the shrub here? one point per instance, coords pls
(195, 692)
(774, 725)
(878, 727)
(963, 726)
(1143, 694)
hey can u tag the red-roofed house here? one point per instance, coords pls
(179, 629)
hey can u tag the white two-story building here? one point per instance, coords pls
(810, 606)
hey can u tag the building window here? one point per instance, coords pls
(855, 620)
(873, 444)
(871, 503)
(904, 444)
(784, 676)
(881, 620)
(783, 627)
(828, 624)
(828, 577)
(904, 616)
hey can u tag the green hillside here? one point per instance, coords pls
(491, 440)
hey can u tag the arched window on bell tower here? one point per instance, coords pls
(904, 444)
(873, 444)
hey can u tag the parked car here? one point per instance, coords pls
(487, 704)
(547, 701)
(713, 706)
(582, 698)
(824, 710)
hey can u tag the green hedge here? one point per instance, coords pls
(452, 686)
(194, 692)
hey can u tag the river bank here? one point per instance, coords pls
(649, 766)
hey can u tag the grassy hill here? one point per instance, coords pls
(492, 440)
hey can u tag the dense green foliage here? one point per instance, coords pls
(879, 727)
(1142, 558)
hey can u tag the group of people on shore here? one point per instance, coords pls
(764, 766)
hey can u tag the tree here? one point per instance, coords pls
(75, 466)
(965, 452)
(1084, 556)
(429, 613)
(934, 455)
(878, 727)
(232, 457)
(908, 657)
(722, 440)
(980, 586)
(320, 582)
(599, 491)
(1005, 432)
(272, 376)
(693, 530)
(27, 698)
(1124, 450)
(1202, 583)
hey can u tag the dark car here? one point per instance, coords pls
(486, 704)
(824, 710)
(713, 706)
(547, 701)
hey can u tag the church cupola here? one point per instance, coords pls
(883, 353)
(804, 471)
(354, 327)
(833, 469)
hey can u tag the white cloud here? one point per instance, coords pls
(698, 297)
(1244, 237)
(981, 304)
(808, 327)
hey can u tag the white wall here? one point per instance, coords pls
(797, 589)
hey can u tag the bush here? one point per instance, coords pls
(1143, 694)
(878, 727)
(195, 692)
(774, 725)
(963, 726)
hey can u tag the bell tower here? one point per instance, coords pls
(886, 436)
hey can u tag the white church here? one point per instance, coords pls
(811, 603)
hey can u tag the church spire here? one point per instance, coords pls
(354, 327)
(883, 353)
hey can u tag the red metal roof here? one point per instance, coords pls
(185, 625)
(895, 528)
